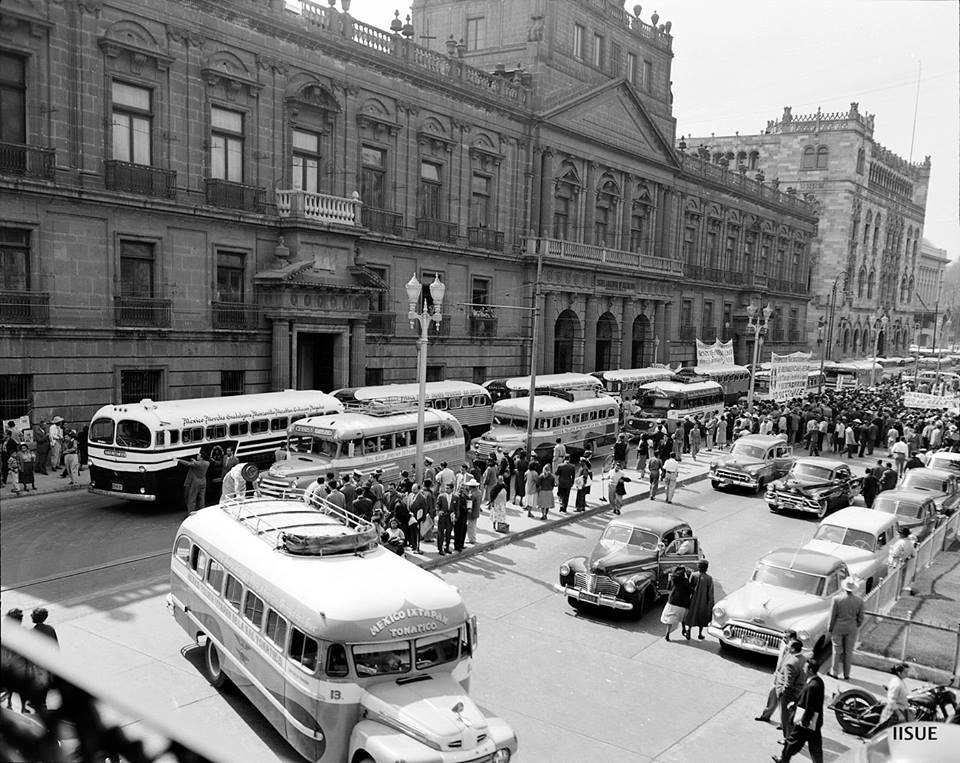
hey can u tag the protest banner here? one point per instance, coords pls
(929, 402)
(716, 354)
(788, 375)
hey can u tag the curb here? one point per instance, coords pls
(509, 538)
(68, 488)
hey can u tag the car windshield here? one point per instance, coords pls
(618, 536)
(897, 506)
(382, 659)
(749, 451)
(942, 462)
(435, 650)
(925, 481)
(846, 536)
(316, 446)
(793, 580)
(811, 471)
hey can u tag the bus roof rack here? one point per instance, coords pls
(305, 526)
(387, 407)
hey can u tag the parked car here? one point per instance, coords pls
(629, 566)
(943, 484)
(754, 461)
(814, 485)
(915, 509)
(946, 460)
(862, 538)
(790, 589)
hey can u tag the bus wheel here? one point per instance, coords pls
(215, 675)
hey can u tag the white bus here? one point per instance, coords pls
(582, 425)
(577, 385)
(624, 382)
(671, 402)
(470, 404)
(735, 380)
(364, 441)
(761, 384)
(852, 373)
(134, 447)
(351, 652)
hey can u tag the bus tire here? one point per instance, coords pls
(214, 669)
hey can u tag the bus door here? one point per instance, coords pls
(301, 695)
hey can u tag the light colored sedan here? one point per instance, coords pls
(862, 538)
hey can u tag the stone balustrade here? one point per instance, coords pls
(574, 251)
(322, 207)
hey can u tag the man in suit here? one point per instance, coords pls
(790, 684)
(445, 519)
(772, 697)
(846, 617)
(808, 724)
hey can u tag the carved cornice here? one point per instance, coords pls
(377, 123)
(435, 141)
(271, 64)
(232, 83)
(10, 18)
(91, 7)
(486, 156)
(184, 36)
(138, 55)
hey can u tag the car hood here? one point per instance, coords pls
(803, 484)
(433, 707)
(732, 461)
(772, 607)
(605, 561)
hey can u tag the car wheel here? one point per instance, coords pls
(574, 602)
(643, 603)
(714, 484)
(823, 508)
(761, 486)
(215, 675)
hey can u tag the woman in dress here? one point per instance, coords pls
(582, 482)
(677, 602)
(498, 503)
(27, 461)
(531, 484)
(701, 601)
(545, 488)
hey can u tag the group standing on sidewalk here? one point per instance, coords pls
(41, 450)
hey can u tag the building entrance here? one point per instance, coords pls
(316, 356)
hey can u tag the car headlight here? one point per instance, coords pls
(501, 756)
(630, 587)
(803, 635)
(719, 612)
(564, 569)
(293, 483)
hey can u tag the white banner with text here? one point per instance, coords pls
(788, 375)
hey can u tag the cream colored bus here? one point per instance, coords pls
(351, 652)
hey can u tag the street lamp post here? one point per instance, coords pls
(883, 320)
(754, 322)
(841, 276)
(916, 362)
(821, 322)
(424, 319)
(656, 349)
(944, 332)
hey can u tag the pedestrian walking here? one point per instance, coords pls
(900, 450)
(489, 478)
(498, 505)
(559, 453)
(671, 470)
(701, 602)
(678, 601)
(620, 450)
(846, 617)
(545, 491)
(472, 512)
(773, 695)
(195, 482)
(531, 486)
(83, 439)
(41, 677)
(808, 718)
(643, 454)
(71, 457)
(678, 442)
(43, 447)
(869, 488)
(15, 664)
(566, 473)
(617, 489)
(583, 482)
(899, 556)
(711, 428)
(789, 685)
(445, 520)
(55, 434)
(655, 467)
(695, 440)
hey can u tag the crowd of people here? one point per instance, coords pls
(45, 448)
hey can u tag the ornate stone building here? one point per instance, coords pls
(872, 205)
(204, 198)
(930, 309)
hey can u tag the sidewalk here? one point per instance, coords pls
(48, 483)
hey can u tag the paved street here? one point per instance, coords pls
(574, 687)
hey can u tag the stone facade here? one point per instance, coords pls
(201, 199)
(933, 261)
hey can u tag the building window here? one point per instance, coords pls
(372, 175)
(598, 51)
(754, 160)
(601, 222)
(561, 217)
(226, 145)
(578, 34)
(427, 277)
(431, 189)
(232, 383)
(861, 158)
(707, 322)
(14, 259)
(136, 385)
(616, 53)
(380, 299)
(132, 123)
(686, 312)
(808, 160)
(137, 269)
(631, 73)
(479, 374)
(794, 325)
(373, 377)
(434, 373)
(16, 395)
(727, 320)
(476, 33)
(689, 241)
(638, 230)
(13, 98)
(480, 292)
(480, 201)
(823, 154)
(306, 161)
(230, 267)
(648, 76)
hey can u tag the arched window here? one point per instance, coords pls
(871, 282)
(861, 280)
(566, 332)
(845, 342)
(808, 160)
(909, 290)
(604, 230)
(865, 341)
(754, 159)
(856, 340)
(717, 156)
(861, 156)
(565, 204)
(866, 229)
(903, 289)
(741, 158)
(876, 233)
(607, 331)
(640, 355)
(823, 154)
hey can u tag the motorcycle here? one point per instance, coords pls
(858, 711)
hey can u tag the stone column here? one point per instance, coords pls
(534, 177)
(626, 211)
(548, 325)
(547, 191)
(280, 372)
(590, 335)
(358, 353)
(589, 204)
(626, 342)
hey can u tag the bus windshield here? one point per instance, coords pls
(379, 660)
(510, 421)
(133, 434)
(436, 650)
(317, 446)
(101, 431)
(656, 401)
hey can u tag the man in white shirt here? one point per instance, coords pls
(445, 476)
(671, 469)
(900, 554)
(900, 450)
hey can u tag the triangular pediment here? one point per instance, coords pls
(613, 114)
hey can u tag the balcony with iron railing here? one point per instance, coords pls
(708, 333)
(485, 238)
(24, 308)
(382, 220)
(226, 193)
(573, 251)
(235, 316)
(483, 324)
(382, 324)
(141, 312)
(139, 178)
(793, 336)
(776, 335)
(27, 161)
(688, 333)
(319, 207)
(437, 230)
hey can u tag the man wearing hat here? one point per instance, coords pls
(846, 617)
(235, 481)
(429, 473)
(472, 500)
(349, 490)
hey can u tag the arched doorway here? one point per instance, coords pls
(865, 341)
(606, 335)
(882, 344)
(856, 341)
(845, 341)
(640, 356)
(566, 331)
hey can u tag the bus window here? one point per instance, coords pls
(215, 574)
(276, 629)
(436, 650)
(377, 660)
(192, 435)
(181, 551)
(440, 405)
(326, 448)
(101, 431)
(253, 609)
(296, 418)
(303, 649)
(278, 425)
(431, 434)
(198, 560)
(174, 436)
(453, 403)
(370, 445)
(400, 438)
(239, 429)
(217, 432)
(386, 442)
(447, 431)
(133, 434)
(566, 421)
(356, 448)
(233, 593)
(259, 425)
(336, 661)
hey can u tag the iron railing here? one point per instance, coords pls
(574, 251)
(688, 333)
(485, 238)
(27, 161)
(383, 324)
(225, 193)
(708, 333)
(483, 326)
(20, 308)
(382, 221)
(437, 230)
(140, 178)
(238, 316)
(144, 312)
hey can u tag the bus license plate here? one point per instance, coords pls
(116, 486)
(591, 598)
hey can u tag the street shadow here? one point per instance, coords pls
(491, 566)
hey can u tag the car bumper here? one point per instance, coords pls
(728, 480)
(124, 496)
(597, 599)
(791, 502)
(760, 645)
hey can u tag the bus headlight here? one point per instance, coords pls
(142, 468)
(501, 756)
